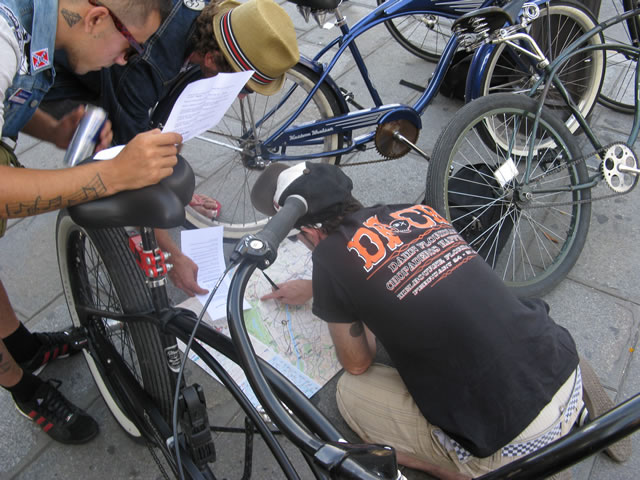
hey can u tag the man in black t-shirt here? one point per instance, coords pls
(480, 377)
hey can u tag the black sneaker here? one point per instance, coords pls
(57, 416)
(53, 345)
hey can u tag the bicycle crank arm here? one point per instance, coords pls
(625, 169)
(401, 138)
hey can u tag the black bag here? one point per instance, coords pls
(455, 79)
(479, 225)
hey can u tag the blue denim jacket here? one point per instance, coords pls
(128, 92)
(34, 23)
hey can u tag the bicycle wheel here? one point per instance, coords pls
(98, 271)
(618, 89)
(559, 24)
(423, 35)
(532, 228)
(228, 171)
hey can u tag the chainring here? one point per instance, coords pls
(615, 156)
(388, 145)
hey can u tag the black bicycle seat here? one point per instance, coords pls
(157, 206)
(318, 4)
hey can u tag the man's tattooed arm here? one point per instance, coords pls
(356, 329)
(92, 191)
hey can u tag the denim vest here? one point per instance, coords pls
(34, 22)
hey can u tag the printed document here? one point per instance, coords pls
(204, 247)
(203, 103)
(200, 106)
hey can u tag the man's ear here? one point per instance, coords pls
(210, 62)
(96, 18)
(314, 235)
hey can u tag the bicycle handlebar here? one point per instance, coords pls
(335, 456)
(263, 246)
(282, 222)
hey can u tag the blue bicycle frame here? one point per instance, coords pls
(274, 147)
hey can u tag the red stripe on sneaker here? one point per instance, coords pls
(41, 420)
(32, 414)
(65, 349)
(47, 427)
(46, 358)
(56, 351)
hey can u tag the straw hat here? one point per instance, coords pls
(257, 35)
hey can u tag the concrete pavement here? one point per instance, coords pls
(599, 302)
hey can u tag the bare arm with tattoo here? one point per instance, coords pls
(355, 346)
(146, 160)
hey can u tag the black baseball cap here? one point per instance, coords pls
(321, 185)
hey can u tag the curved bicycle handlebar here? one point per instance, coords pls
(335, 456)
(282, 222)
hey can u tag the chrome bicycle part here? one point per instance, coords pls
(619, 168)
(530, 11)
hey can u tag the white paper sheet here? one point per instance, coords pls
(203, 103)
(204, 247)
(108, 153)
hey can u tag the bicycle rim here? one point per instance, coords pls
(530, 248)
(423, 35)
(556, 27)
(228, 169)
(98, 271)
(618, 89)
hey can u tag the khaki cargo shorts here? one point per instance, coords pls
(378, 407)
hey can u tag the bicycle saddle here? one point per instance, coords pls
(488, 19)
(157, 206)
(318, 4)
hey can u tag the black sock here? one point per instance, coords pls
(25, 389)
(22, 344)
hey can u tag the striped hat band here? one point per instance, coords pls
(236, 52)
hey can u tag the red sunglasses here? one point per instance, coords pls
(121, 28)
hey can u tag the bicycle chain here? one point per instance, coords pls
(366, 162)
(566, 166)
(163, 471)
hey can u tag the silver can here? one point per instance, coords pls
(86, 136)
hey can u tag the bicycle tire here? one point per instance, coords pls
(229, 175)
(508, 70)
(618, 89)
(98, 270)
(425, 36)
(531, 249)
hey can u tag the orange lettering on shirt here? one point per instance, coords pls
(393, 241)
(369, 247)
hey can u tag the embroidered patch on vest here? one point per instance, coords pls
(21, 96)
(40, 59)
